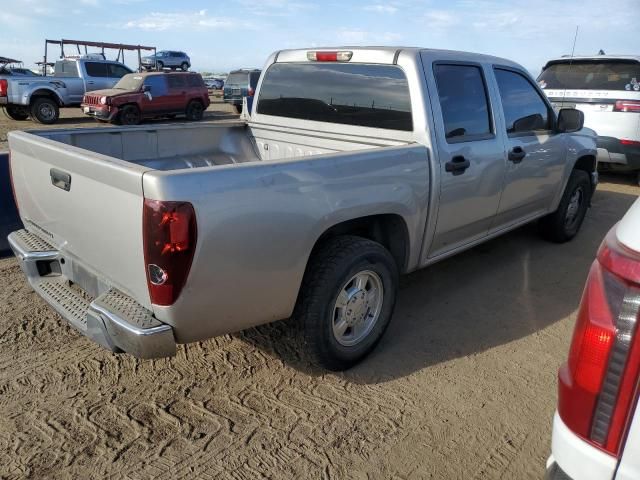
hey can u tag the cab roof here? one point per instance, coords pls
(389, 55)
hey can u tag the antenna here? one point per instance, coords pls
(573, 51)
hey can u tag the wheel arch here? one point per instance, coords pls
(390, 230)
(45, 93)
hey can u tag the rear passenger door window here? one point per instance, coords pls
(463, 101)
(524, 109)
(177, 82)
(95, 69)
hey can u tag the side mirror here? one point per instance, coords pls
(570, 120)
(529, 123)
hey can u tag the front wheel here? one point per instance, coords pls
(17, 112)
(45, 110)
(195, 110)
(130, 115)
(564, 224)
(346, 301)
(184, 66)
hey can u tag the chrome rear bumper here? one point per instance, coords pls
(112, 319)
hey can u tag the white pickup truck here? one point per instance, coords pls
(355, 165)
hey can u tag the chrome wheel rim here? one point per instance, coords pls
(357, 308)
(574, 207)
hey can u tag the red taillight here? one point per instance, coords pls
(169, 231)
(4, 87)
(627, 106)
(634, 143)
(597, 384)
(251, 92)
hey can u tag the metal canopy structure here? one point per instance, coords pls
(6, 60)
(81, 45)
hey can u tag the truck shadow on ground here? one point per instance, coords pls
(498, 292)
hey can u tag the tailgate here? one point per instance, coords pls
(87, 205)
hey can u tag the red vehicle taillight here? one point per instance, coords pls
(169, 232)
(251, 92)
(597, 385)
(627, 106)
(4, 87)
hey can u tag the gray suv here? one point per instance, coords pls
(167, 59)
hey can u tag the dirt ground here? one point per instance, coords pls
(74, 118)
(462, 385)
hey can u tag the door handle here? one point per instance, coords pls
(516, 154)
(90, 83)
(60, 179)
(457, 165)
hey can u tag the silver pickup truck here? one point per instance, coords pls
(355, 165)
(41, 97)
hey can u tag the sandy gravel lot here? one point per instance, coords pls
(462, 385)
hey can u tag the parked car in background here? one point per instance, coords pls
(596, 429)
(214, 83)
(167, 59)
(149, 95)
(607, 89)
(41, 97)
(239, 84)
(355, 165)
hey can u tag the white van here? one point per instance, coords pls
(607, 89)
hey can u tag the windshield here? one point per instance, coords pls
(592, 75)
(131, 82)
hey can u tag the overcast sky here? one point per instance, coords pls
(221, 35)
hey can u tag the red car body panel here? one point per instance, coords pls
(180, 88)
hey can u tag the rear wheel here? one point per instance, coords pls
(17, 112)
(160, 65)
(130, 115)
(564, 224)
(346, 301)
(195, 110)
(184, 66)
(45, 110)
(238, 108)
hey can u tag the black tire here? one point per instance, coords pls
(195, 111)
(564, 224)
(159, 65)
(238, 108)
(184, 66)
(129, 115)
(330, 269)
(17, 112)
(45, 110)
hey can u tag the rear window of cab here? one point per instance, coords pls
(364, 95)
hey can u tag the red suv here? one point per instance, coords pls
(149, 95)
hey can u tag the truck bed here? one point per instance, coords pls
(176, 147)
